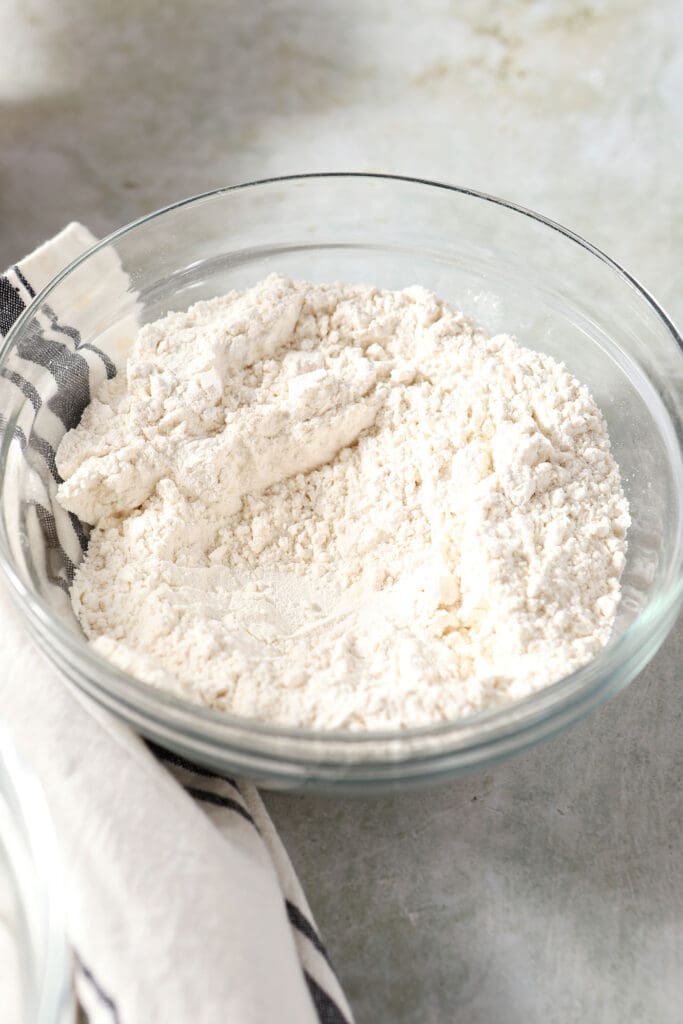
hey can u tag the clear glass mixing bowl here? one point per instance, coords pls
(35, 963)
(512, 270)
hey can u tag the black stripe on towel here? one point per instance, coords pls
(81, 531)
(11, 304)
(108, 364)
(75, 335)
(71, 332)
(97, 988)
(207, 797)
(47, 522)
(299, 921)
(48, 526)
(69, 369)
(40, 445)
(18, 433)
(27, 285)
(326, 1008)
(24, 386)
(181, 762)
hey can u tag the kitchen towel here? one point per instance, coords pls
(181, 902)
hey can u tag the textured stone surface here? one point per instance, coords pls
(546, 889)
(550, 888)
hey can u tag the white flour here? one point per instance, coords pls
(334, 506)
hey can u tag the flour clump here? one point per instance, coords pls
(337, 506)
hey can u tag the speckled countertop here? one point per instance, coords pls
(551, 887)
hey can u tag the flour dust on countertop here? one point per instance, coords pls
(337, 506)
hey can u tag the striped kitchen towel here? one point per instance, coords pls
(182, 905)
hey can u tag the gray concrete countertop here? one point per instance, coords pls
(551, 887)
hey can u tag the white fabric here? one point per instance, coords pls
(175, 907)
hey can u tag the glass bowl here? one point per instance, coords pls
(512, 270)
(35, 962)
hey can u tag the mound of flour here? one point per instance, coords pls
(335, 506)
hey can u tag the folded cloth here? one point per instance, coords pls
(181, 902)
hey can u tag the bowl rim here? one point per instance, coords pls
(570, 697)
